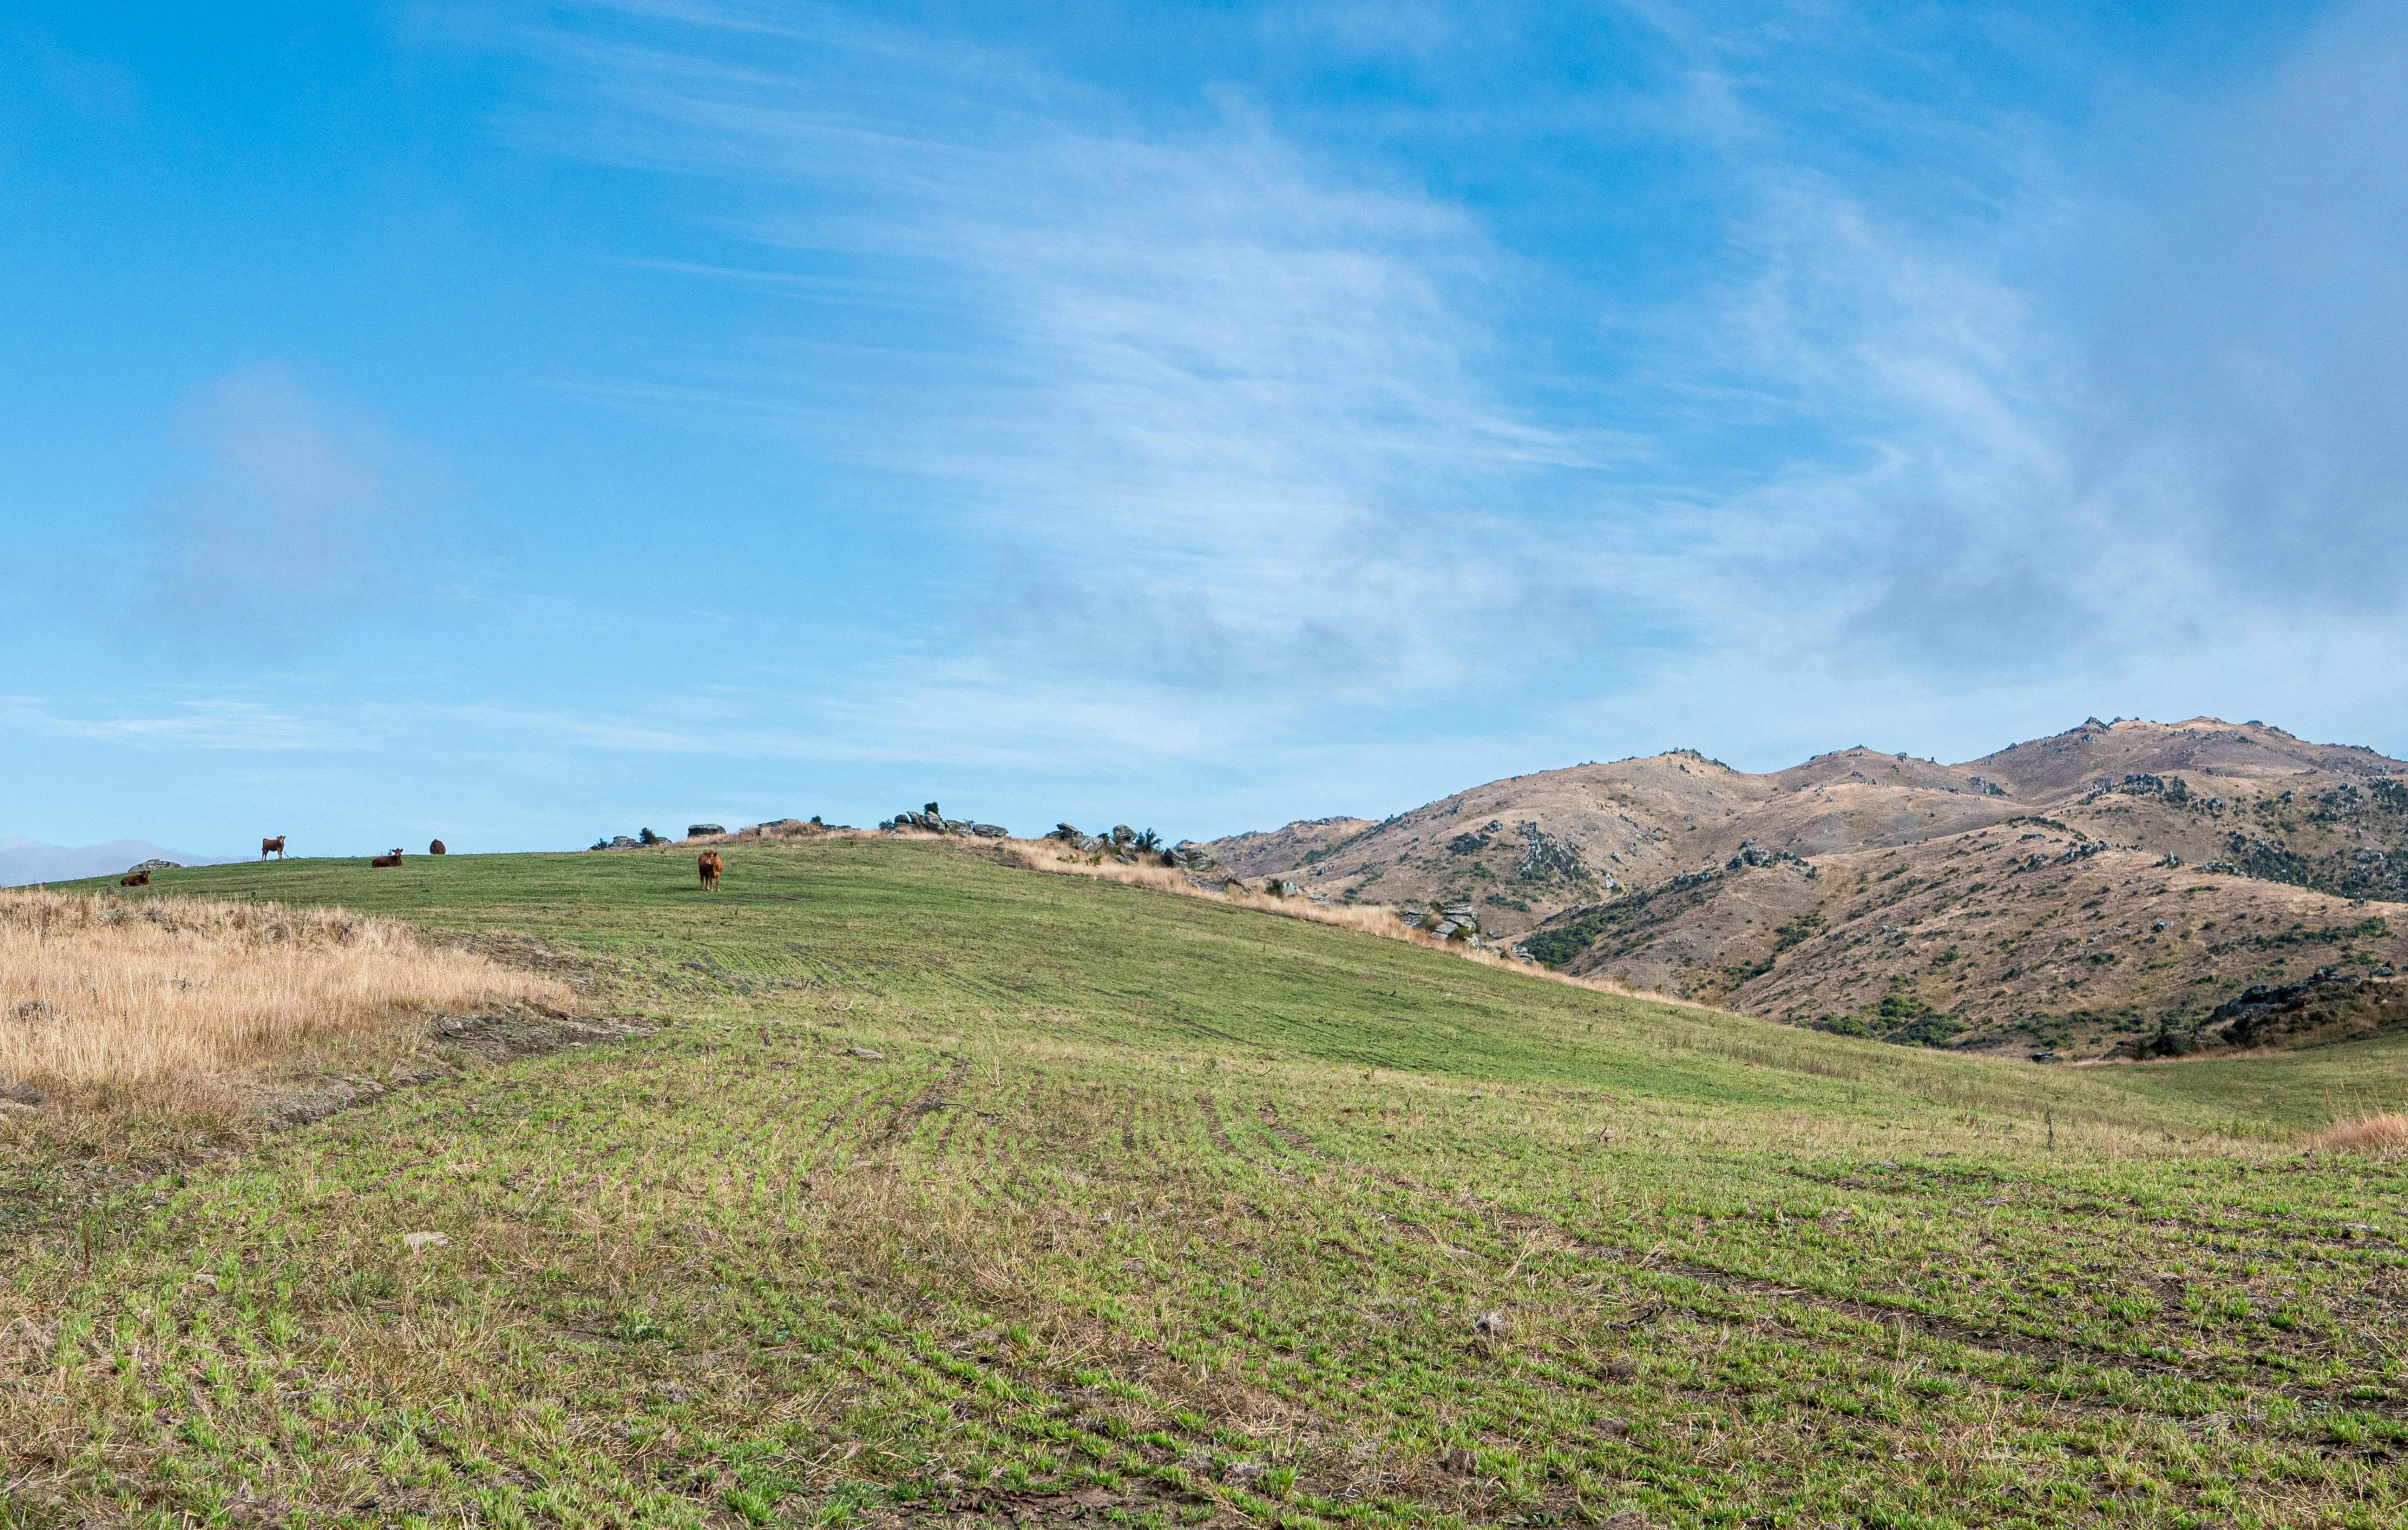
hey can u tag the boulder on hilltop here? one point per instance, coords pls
(930, 820)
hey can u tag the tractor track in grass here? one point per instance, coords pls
(2266, 1226)
(1993, 1340)
(937, 1096)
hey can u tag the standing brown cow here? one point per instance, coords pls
(135, 878)
(276, 845)
(710, 866)
(436, 848)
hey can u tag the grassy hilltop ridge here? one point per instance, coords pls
(945, 1187)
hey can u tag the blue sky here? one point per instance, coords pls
(518, 423)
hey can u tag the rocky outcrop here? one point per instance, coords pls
(931, 820)
(2329, 1005)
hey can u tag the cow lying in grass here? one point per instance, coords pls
(135, 878)
(391, 859)
(710, 867)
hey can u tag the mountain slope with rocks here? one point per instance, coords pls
(2117, 887)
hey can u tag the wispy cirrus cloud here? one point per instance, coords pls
(190, 722)
(1948, 421)
(1220, 411)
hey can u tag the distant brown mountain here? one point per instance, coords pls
(2085, 892)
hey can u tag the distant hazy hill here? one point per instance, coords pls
(29, 860)
(2070, 891)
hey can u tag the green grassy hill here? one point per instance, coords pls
(945, 1188)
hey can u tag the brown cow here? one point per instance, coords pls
(711, 867)
(436, 848)
(135, 878)
(276, 845)
(393, 859)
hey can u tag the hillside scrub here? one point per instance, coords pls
(2080, 894)
(151, 993)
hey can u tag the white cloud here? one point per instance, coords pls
(284, 514)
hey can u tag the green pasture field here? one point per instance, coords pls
(941, 1188)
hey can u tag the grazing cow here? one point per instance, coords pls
(393, 859)
(276, 845)
(436, 848)
(711, 867)
(135, 878)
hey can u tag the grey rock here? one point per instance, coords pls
(697, 830)
(868, 1054)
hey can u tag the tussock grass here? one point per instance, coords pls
(164, 991)
(2382, 1136)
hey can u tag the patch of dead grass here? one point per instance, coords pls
(98, 994)
(2381, 1136)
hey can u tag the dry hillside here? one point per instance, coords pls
(1274, 850)
(2084, 891)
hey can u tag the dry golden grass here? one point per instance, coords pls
(1370, 918)
(94, 991)
(2382, 1136)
